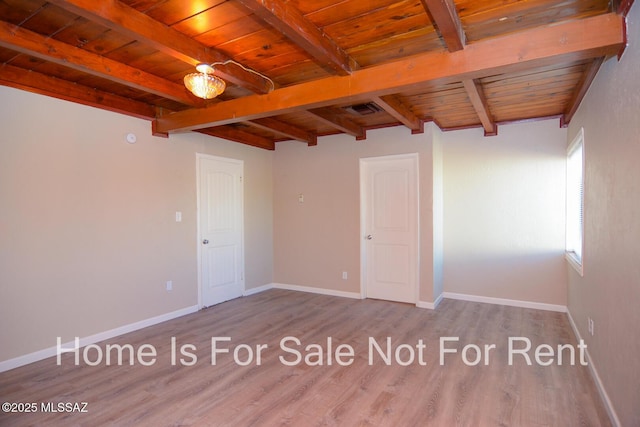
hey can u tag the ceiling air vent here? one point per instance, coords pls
(363, 109)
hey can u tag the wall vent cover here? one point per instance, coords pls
(363, 109)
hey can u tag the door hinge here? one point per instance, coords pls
(240, 179)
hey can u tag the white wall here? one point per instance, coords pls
(504, 213)
(609, 292)
(317, 240)
(438, 214)
(492, 211)
(88, 236)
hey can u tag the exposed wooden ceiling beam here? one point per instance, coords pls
(338, 121)
(479, 102)
(622, 6)
(154, 124)
(581, 90)
(394, 106)
(446, 18)
(50, 86)
(572, 40)
(126, 20)
(288, 20)
(238, 135)
(48, 49)
(285, 129)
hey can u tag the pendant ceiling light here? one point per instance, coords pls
(204, 84)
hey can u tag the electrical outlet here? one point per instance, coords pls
(169, 285)
(344, 275)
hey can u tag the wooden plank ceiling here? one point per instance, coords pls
(337, 66)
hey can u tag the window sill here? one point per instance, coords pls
(574, 262)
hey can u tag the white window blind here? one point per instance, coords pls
(575, 201)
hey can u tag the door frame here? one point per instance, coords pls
(200, 156)
(363, 217)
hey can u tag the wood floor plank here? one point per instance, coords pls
(368, 392)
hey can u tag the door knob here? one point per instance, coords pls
(369, 237)
(205, 242)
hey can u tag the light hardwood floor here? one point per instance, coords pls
(273, 393)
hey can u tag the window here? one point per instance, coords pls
(575, 202)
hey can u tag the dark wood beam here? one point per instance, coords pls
(394, 106)
(622, 6)
(126, 20)
(239, 135)
(50, 86)
(154, 125)
(445, 16)
(538, 47)
(284, 129)
(285, 18)
(479, 102)
(581, 90)
(338, 121)
(48, 49)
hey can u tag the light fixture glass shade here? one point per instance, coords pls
(204, 85)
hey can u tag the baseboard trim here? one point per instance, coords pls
(503, 301)
(613, 416)
(321, 291)
(430, 305)
(257, 290)
(36, 356)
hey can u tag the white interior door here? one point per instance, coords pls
(220, 213)
(389, 208)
